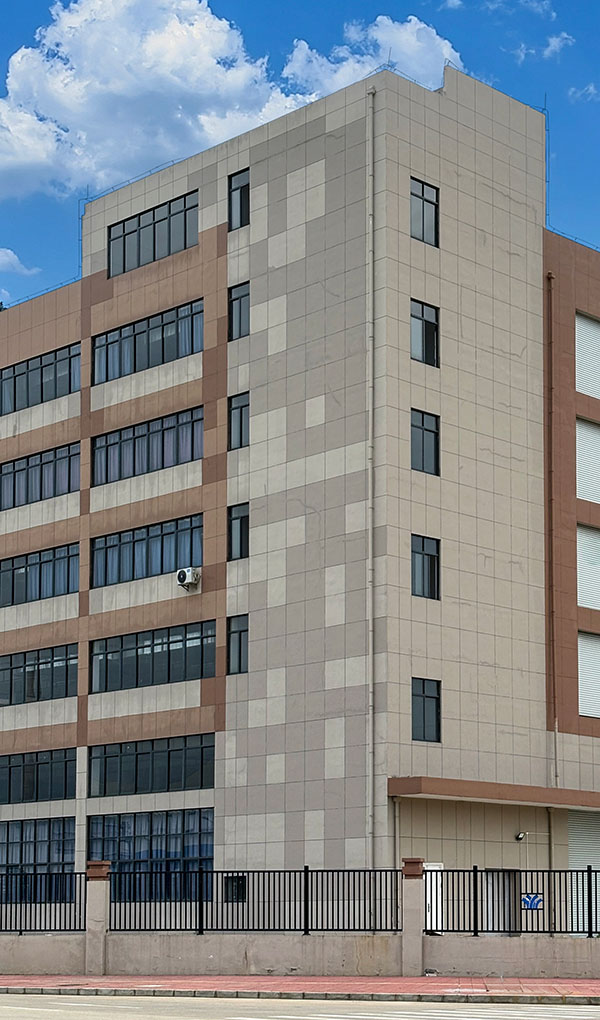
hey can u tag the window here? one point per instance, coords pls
(37, 845)
(148, 342)
(37, 776)
(40, 379)
(153, 234)
(426, 709)
(153, 766)
(424, 203)
(239, 199)
(153, 657)
(588, 567)
(39, 575)
(238, 534)
(234, 888)
(146, 552)
(239, 311)
(425, 567)
(587, 452)
(153, 840)
(425, 442)
(239, 421)
(40, 476)
(40, 675)
(150, 446)
(237, 644)
(588, 674)
(424, 333)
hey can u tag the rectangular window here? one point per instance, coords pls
(587, 452)
(588, 567)
(152, 766)
(235, 888)
(588, 655)
(37, 776)
(426, 695)
(237, 644)
(39, 575)
(146, 552)
(155, 341)
(239, 421)
(587, 355)
(39, 476)
(238, 534)
(424, 333)
(40, 379)
(37, 845)
(239, 311)
(150, 446)
(425, 567)
(153, 234)
(39, 675)
(239, 199)
(425, 442)
(174, 841)
(424, 206)
(153, 657)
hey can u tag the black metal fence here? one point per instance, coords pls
(493, 901)
(47, 902)
(303, 901)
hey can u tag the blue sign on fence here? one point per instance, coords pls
(532, 901)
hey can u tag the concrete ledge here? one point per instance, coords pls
(526, 956)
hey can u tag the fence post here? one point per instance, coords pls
(200, 929)
(413, 916)
(590, 911)
(97, 916)
(475, 901)
(306, 900)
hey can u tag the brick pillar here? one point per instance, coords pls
(97, 915)
(413, 916)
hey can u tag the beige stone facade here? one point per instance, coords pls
(309, 741)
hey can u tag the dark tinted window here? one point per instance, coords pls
(39, 575)
(153, 657)
(239, 311)
(40, 379)
(153, 234)
(237, 644)
(39, 476)
(425, 442)
(239, 421)
(426, 709)
(149, 446)
(239, 199)
(153, 766)
(37, 845)
(424, 200)
(146, 552)
(39, 675)
(176, 841)
(238, 536)
(37, 776)
(425, 567)
(148, 342)
(424, 333)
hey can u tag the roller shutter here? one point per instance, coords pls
(587, 356)
(584, 839)
(588, 654)
(588, 460)
(588, 567)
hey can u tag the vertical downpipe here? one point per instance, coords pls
(551, 484)
(370, 314)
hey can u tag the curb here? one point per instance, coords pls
(212, 993)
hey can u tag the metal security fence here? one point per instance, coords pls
(509, 902)
(303, 901)
(45, 902)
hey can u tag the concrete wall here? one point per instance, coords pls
(562, 956)
(42, 954)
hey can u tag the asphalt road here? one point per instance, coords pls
(80, 1007)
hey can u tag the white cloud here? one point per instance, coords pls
(589, 93)
(11, 263)
(521, 52)
(114, 87)
(4, 295)
(451, 5)
(542, 7)
(414, 47)
(556, 43)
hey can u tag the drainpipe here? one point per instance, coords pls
(370, 314)
(551, 483)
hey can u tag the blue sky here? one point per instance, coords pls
(94, 92)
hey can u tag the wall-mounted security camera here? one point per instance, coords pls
(520, 836)
(189, 577)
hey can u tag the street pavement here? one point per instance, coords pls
(63, 1007)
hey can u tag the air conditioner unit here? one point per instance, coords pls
(189, 577)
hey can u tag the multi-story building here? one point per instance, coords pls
(307, 368)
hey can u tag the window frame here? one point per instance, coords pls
(238, 421)
(140, 440)
(133, 555)
(37, 380)
(424, 442)
(238, 532)
(425, 573)
(38, 575)
(429, 339)
(109, 657)
(152, 230)
(421, 217)
(238, 199)
(421, 697)
(117, 769)
(21, 474)
(238, 311)
(237, 644)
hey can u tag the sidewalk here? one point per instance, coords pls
(536, 990)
